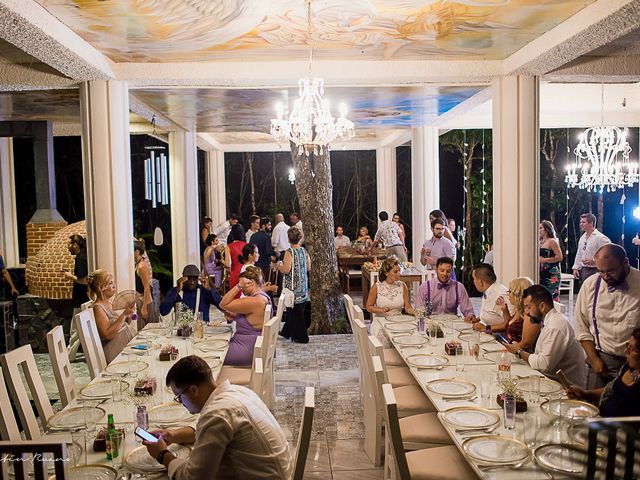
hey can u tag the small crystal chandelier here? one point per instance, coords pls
(310, 126)
(597, 164)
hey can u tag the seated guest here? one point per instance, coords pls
(621, 396)
(341, 240)
(248, 312)
(186, 292)
(364, 237)
(557, 347)
(213, 266)
(388, 296)
(437, 246)
(518, 327)
(235, 436)
(115, 329)
(444, 294)
(486, 282)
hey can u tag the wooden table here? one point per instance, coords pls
(349, 257)
(474, 372)
(124, 412)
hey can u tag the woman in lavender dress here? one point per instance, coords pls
(248, 312)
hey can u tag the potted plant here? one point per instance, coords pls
(184, 321)
(509, 387)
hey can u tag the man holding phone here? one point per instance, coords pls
(190, 290)
(236, 435)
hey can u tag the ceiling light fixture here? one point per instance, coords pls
(310, 126)
(597, 164)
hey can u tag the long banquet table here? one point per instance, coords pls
(124, 411)
(478, 372)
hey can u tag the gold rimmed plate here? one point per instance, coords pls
(214, 361)
(427, 360)
(573, 410)
(126, 367)
(451, 387)
(471, 417)
(568, 460)
(400, 319)
(410, 341)
(93, 472)
(470, 336)
(211, 344)
(140, 460)
(547, 386)
(495, 449)
(401, 327)
(168, 413)
(73, 417)
(100, 388)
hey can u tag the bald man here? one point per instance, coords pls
(607, 311)
(279, 237)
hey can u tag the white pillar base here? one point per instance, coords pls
(8, 216)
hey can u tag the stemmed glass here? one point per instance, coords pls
(91, 415)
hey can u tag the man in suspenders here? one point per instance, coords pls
(607, 310)
(444, 295)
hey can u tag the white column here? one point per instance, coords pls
(183, 176)
(8, 216)
(387, 185)
(104, 109)
(425, 182)
(216, 190)
(516, 176)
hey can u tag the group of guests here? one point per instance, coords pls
(599, 353)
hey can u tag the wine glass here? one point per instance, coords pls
(91, 414)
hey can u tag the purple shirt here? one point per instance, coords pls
(443, 299)
(440, 247)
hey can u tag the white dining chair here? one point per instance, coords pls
(90, 340)
(87, 305)
(396, 375)
(241, 375)
(257, 377)
(357, 337)
(270, 334)
(348, 306)
(8, 425)
(566, 285)
(61, 365)
(13, 362)
(304, 434)
(39, 454)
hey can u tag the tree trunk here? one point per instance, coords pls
(252, 183)
(314, 188)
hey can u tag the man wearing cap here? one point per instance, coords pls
(186, 292)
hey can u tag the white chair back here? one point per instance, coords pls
(87, 305)
(257, 377)
(359, 334)
(270, 334)
(12, 362)
(36, 454)
(59, 357)
(8, 425)
(348, 306)
(90, 341)
(396, 452)
(304, 435)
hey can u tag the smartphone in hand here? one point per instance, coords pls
(144, 435)
(501, 338)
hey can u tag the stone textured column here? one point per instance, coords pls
(387, 185)
(516, 178)
(425, 182)
(215, 184)
(104, 109)
(8, 216)
(183, 176)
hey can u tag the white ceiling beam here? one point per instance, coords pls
(207, 142)
(284, 74)
(395, 138)
(141, 108)
(16, 78)
(463, 108)
(619, 69)
(595, 25)
(31, 28)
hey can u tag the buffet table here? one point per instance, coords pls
(464, 389)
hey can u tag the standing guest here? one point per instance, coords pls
(439, 214)
(248, 313)
(454, 232)
(443, 293)
(294, 218)
(395, 218)
(607, 311)
(205, 231)
(364, 237)
(115, 329)
(295, 266)
(250, 258)
(78, 248)
(556, 347)
(279, 237)
(236, 435)
(486, 282)
(262, 240)
(390, 237)
(7, 277)
(488, 256)
(233, 252)
(591, 240)
(223, 230)
(437, 247)
(341, 239)
(144, 279)
(212, 261)
(254, 226)
(186, 292)
(550, 258)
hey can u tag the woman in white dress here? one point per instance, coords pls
(389, 296)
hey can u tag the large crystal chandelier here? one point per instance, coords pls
(310, 126)
(602, 159)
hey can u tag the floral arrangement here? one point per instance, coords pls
(509, 387)
(184, 316)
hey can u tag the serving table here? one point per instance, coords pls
(479, 376)
(163, 412)
(349, 257)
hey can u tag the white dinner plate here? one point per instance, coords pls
(126, 367)
(401, 327)
(168, 413)
(101, 388)
(451, 387)
(217, 329)
(570, 409)
(427, 360)
(409, 340)
(401, 319)
(470, 336)
(93, 472)
(139, 458)
(213, 361)
(564, 459)
(211, 344)
(495, 357)
(471, 417)
(495, 449)
(73, 417)
(547, 386)
(461, 326)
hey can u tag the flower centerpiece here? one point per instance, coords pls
(510, 388)
(184, 321)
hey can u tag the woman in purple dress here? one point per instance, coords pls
(248, 312)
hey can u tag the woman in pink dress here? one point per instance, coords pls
(233, 252)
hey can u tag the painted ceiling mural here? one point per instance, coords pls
(201, 30)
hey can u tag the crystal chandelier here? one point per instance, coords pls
(602, 159)
(310, 126)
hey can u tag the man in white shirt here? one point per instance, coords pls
(254, 226)
(341, 240)
(604, 322)
(591, 240)
(556, 347)
(486, 282)
(236, 436)
(294, 218)
(223, 230)
(390, 237)
(279, 236)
